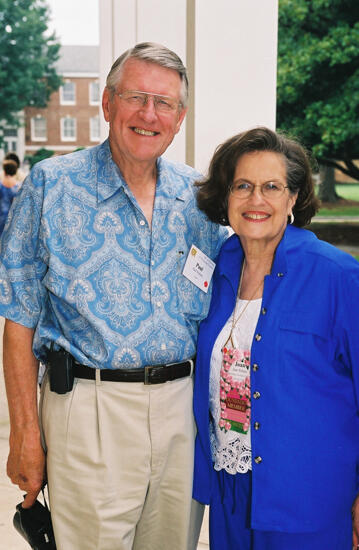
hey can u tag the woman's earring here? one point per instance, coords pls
(291, 217)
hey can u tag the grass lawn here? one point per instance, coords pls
(339, 211)
(348, 191)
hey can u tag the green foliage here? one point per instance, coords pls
(27, 58)
(40, 154)
(318, 77)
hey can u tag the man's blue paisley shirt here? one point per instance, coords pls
(80, 264)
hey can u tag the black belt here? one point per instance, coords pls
(155, 374)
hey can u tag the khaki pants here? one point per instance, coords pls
(119, 464)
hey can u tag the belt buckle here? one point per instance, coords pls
(148, 370)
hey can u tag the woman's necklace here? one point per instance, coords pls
(240, 314)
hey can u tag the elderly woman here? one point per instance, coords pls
(277, 376)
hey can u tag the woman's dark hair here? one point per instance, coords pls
(9, 167)
(213, 191)
(14, 157)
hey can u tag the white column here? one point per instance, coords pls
(230, 49)
(21, 139)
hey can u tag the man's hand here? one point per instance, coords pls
(26, 464)
(355, 516)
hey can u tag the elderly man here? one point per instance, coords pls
(92, 285)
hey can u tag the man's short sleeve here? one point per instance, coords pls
(22, 264)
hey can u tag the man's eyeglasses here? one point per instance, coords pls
(270, 189)
(137, 100)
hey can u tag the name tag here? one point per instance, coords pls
(199, 268)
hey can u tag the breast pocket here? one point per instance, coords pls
(305, 322)
(305, 338)
(192, 301)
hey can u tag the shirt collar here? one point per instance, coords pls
(230, 261)
(231, 256)
(167, 187)
(110, 179)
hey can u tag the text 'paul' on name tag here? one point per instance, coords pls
(199, 268)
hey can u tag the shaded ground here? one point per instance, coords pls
(338, 230)
(337, 233)
(340, 202)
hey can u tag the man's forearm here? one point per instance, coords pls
(20, 372)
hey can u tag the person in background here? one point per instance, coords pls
(92, 286)
(20, 174)
(8, 189)
(277, 374)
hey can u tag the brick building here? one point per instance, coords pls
(72, 117)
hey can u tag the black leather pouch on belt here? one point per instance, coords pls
(61, 372)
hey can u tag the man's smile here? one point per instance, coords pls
(144, 132)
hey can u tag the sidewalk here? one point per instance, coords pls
(11, 495)
(326, 219)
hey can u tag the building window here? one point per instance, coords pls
(68, 129)
(10, 140)
(38, 128)
(95, 128)
(94, 93)
(10, 132)
(68, 93)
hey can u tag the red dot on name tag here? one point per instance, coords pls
(205, 284)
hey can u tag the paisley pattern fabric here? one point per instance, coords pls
(80, 264)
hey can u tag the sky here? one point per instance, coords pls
(76, 22)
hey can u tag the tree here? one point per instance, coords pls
(40, 154)
(318, 81)
(27, 58)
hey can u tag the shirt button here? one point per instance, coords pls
(158, 304)
(258, 337)
(257, 425)
(279, 274)
(258, 459)
(142, 222)
(255, 367)
(264, 311)
(256, 395)
(152, 262)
